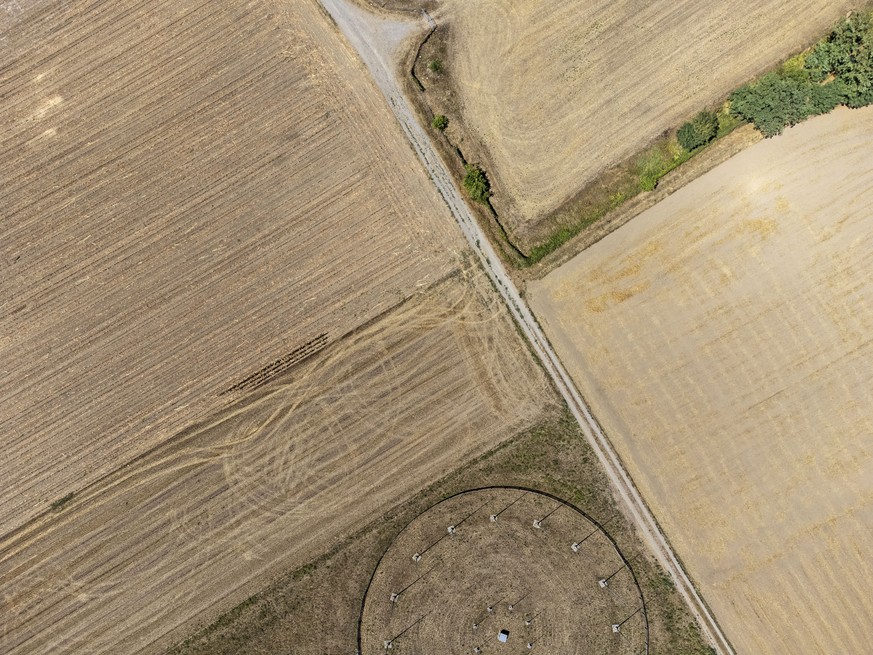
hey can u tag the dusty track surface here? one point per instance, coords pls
(539, 589)
(732, 370)
(362, 29)
(558, 92)
(190, 193)
(193, 194)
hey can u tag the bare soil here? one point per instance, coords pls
(504, 574)
(723, 340)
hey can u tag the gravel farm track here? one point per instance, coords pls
(236, 320)
(361, 28)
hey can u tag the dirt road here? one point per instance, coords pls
(364, 31)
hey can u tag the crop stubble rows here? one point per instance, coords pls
(500, 564)
(195, 214)
(191, 192)
(558, 93)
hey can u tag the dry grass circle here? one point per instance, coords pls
(441, 591)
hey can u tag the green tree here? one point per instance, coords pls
(439, 122)
(777, 101)
(847, 57)
(699, 131)
(476, 183)
(435, 66)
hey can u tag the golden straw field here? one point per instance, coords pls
(723, 339)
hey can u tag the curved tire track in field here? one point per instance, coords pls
(375, 40)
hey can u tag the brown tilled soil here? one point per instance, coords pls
(723, 340)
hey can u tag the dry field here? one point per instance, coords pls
(199, 198)
(204, 520)
(190, 193)
(537, 587)
(555, 93)
(551, 455)
(723, 338)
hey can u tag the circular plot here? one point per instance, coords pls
(503, 570)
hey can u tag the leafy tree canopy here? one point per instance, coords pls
(476, 183)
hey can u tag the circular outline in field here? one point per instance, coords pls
(416, 521)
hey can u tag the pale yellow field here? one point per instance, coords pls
(557, 92)
(723, 338)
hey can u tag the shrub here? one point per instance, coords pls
(657, 161)
(847, 57)
(837, 70)
(476, 183)
(727, 121)
(439, 122)
(776, 101)
(699, 131)
(435, 66)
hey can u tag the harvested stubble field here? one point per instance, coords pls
(723, 339)
(194, 193)
(551, 95)
(190, 194)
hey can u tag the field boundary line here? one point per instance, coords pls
(354, 22)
